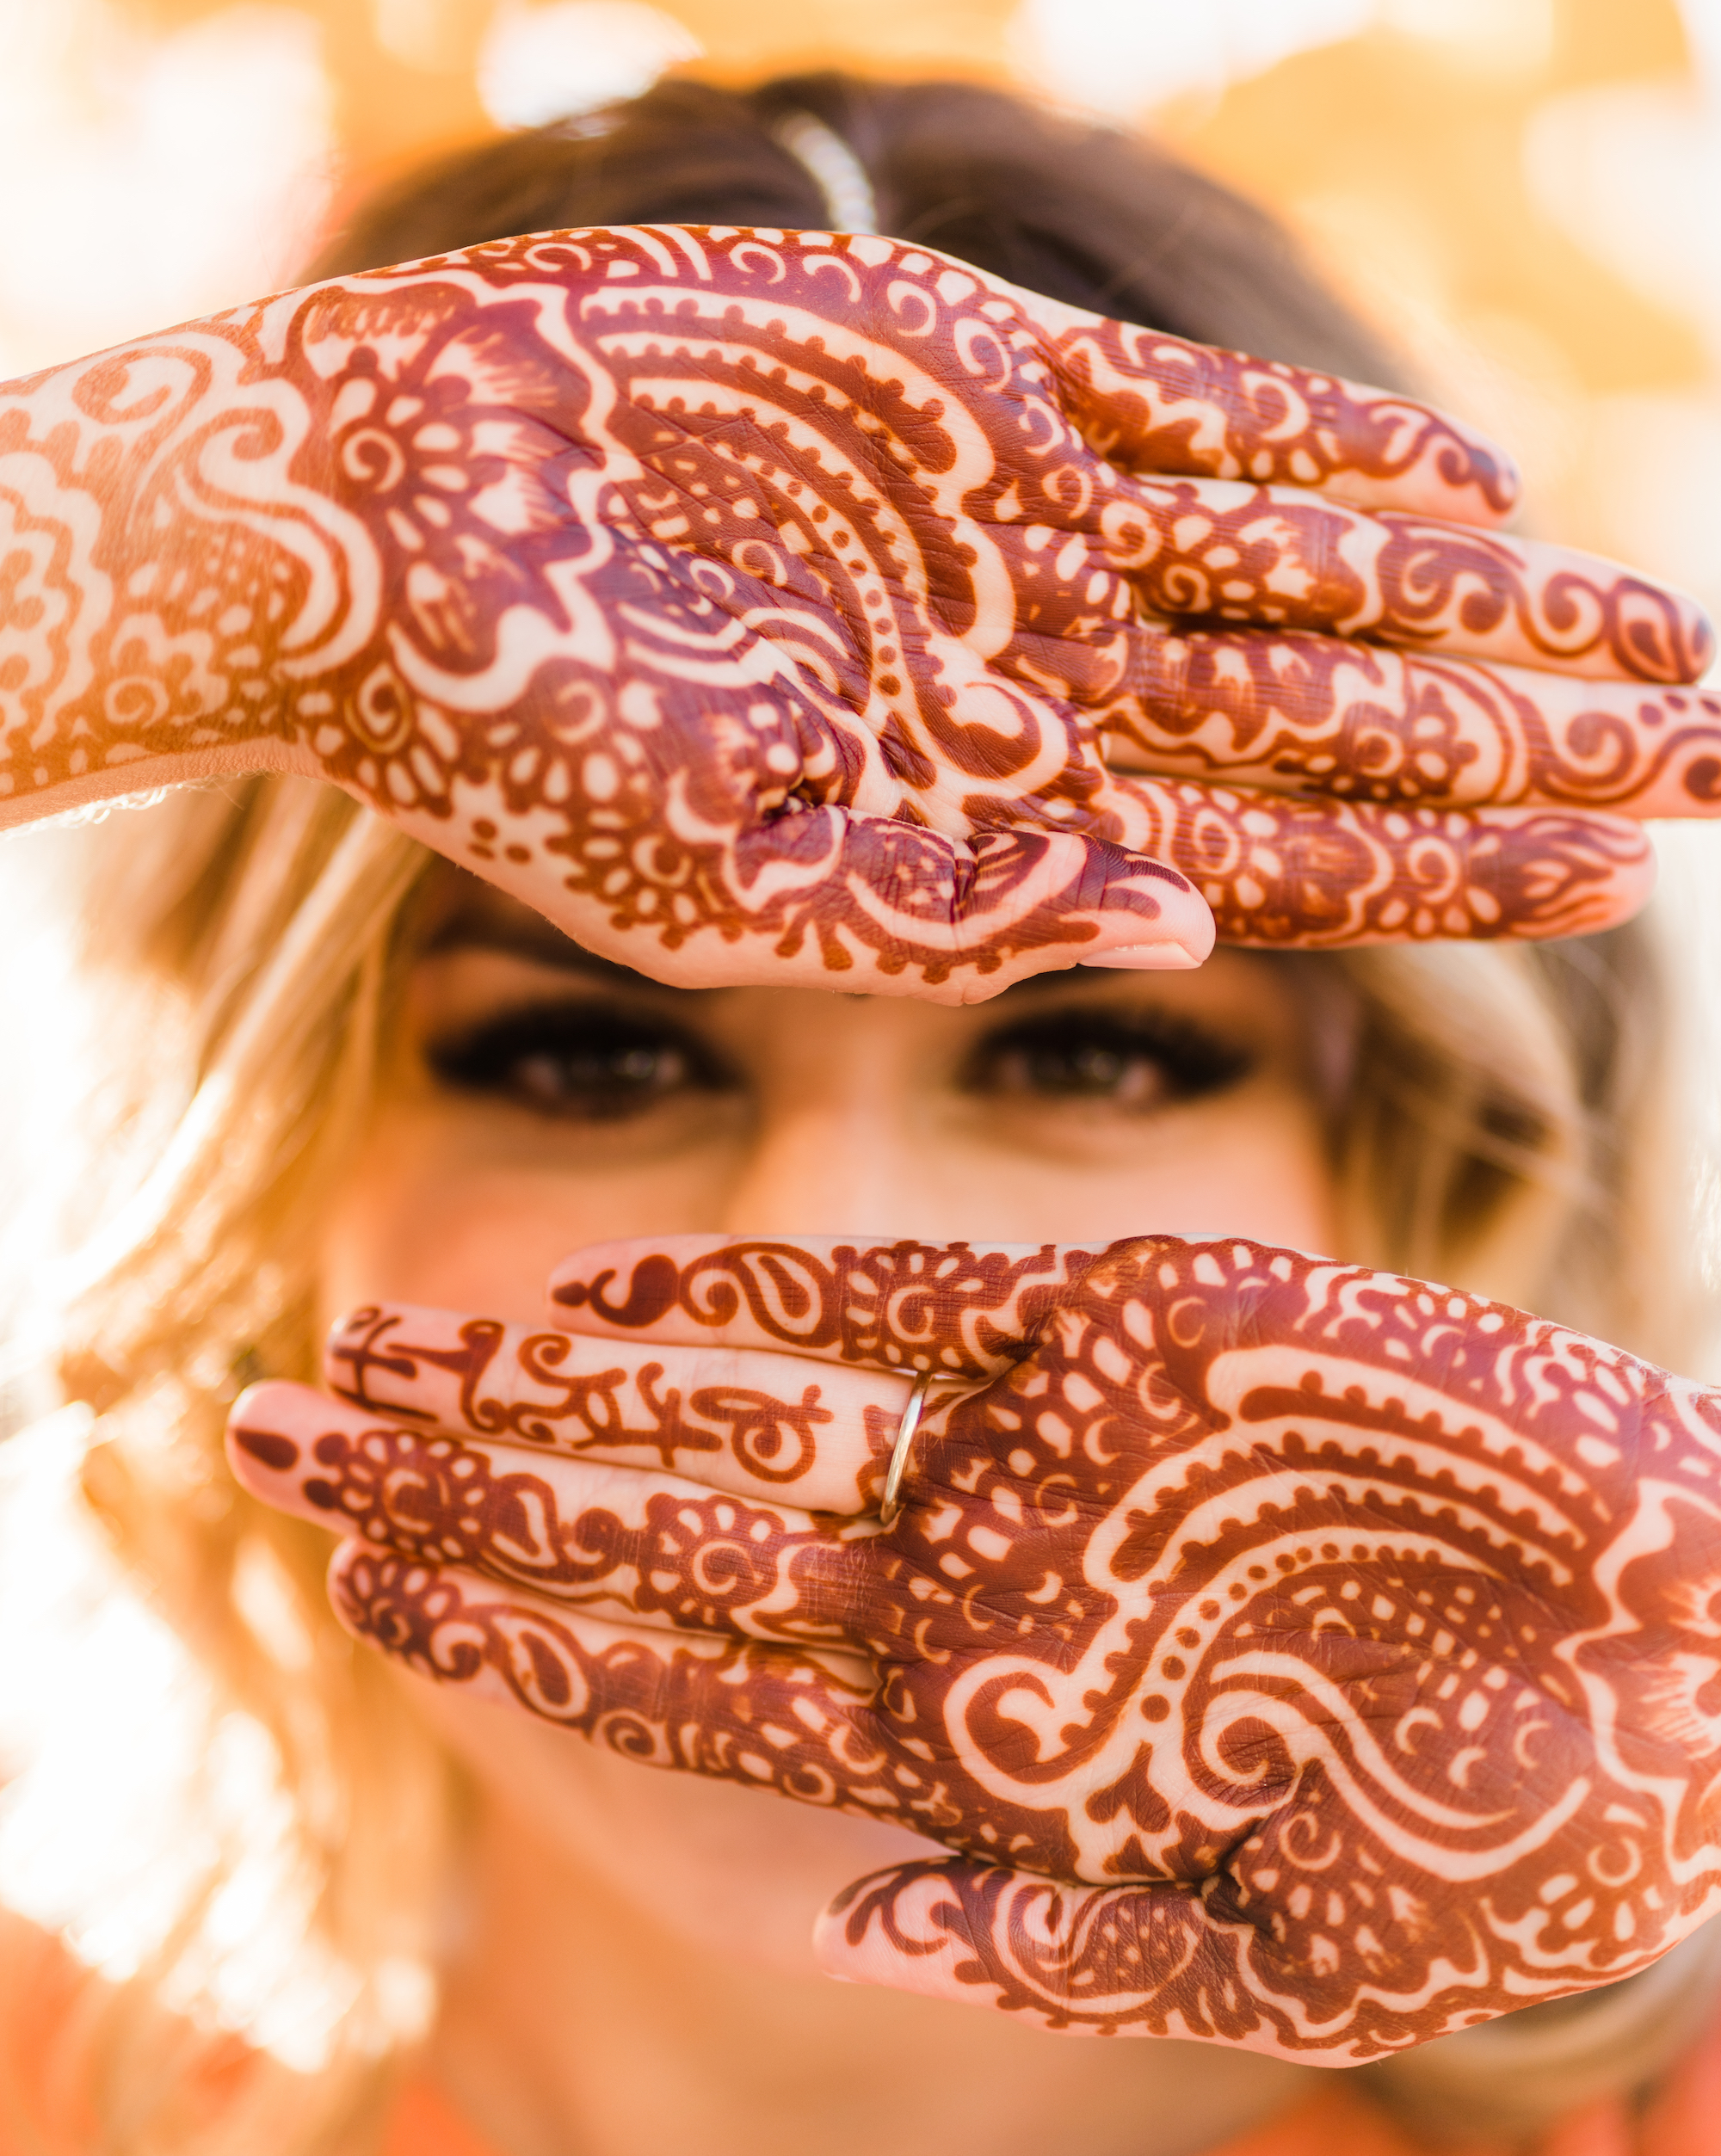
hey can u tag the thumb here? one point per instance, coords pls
(825, 898)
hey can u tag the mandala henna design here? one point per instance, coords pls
(749, 602)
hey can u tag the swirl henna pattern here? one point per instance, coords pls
(756, 604)
(1309, 712)
(1296, 1657)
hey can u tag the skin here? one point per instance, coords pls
(629, 1936)
(760, 607)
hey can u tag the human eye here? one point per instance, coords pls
(579, 1060)
(1133, 1061)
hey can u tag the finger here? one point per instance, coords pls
(1312, 875)
(741, 1420)
(1153, 403)
(955, 1309)
(615, 1542)
(1136, 1961)
(827, 898)
(1315, 714)
(791, 1720)
(1277, 556)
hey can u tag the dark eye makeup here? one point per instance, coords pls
(588, 1058)
(595, 1058)
(1127, 1059)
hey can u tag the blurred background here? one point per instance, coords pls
(1525, 194)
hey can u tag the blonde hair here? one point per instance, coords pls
(1498, 1120)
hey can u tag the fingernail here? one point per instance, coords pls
(1146, 957)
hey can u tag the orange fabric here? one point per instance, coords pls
(1685, 2120)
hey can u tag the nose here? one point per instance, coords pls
(842, 1142)
(824, 1165)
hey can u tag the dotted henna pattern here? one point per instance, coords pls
(1295, 1656)
(753, 600)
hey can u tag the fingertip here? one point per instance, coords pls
(1150, 957)
(1173, 932)
(256, 1446)
(264, 1405)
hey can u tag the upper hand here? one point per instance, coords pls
(1298, 1657)
(759, 608)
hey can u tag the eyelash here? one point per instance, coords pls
(498, 1057)
(590, 1061)
(1097, 1049)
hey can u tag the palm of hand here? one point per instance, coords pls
(1301, 1657)
(757, 605)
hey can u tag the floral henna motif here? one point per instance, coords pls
(1276, 872)
(1194, 548)
(959, 1311)
(749, 602)
(1297, 1656)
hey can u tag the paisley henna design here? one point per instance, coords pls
(1297, 1657)
(753, 603)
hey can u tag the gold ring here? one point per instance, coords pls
(913, 1408)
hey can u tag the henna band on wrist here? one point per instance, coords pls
(913, 1408)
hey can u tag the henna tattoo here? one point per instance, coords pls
(1370, 725)
(743, 1427)
(1292, 1655)
(753, 603)
(1276, 872)
(960, 1312)
(617, 1689)
(1149, 403)
(613, 1541)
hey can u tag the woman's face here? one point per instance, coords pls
(534, 1099)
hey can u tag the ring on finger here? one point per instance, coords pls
(913, 1408)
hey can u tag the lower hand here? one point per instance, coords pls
(1293, 1657)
